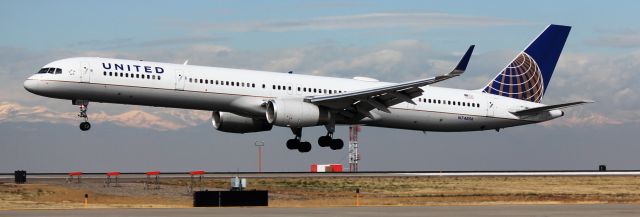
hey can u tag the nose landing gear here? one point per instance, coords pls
(84, 104)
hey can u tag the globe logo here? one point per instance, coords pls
(521, 79)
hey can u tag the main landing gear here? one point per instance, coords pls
(84, 105)
(295, 143)
(323, 141)
(328, 140)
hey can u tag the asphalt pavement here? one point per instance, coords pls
(395, 211)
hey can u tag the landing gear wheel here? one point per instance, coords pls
(324, 141)
(293, 144)
(304, 147)
(84, 105)
(336, 144)
(84, 126)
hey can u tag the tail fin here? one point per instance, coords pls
(528, 75)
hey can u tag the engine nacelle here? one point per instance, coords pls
(295, 113)
(232, 123)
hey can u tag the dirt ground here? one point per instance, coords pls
(334, 191)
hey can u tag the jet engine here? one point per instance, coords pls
(294, 113)
(232, 123)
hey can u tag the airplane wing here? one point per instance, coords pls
(533, 111)
(360, 102)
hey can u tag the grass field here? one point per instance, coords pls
(337, 191)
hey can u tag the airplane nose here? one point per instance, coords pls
(31, 85)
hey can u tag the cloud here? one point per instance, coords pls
(368, 21)
(578, 120)
(169, 119)
(610, 80)
(132, 43)
(334, 5)
(618, 39)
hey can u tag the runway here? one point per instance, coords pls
(344, 174)
(497, 210)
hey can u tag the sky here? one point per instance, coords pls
(387, 40)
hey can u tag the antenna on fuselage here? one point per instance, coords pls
(186, 62)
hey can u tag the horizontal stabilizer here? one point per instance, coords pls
(537, 110)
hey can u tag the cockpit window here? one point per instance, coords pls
(50, 71)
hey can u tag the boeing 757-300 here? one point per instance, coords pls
(246, 101)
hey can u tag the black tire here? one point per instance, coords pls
(293, 144)
(84, 126)
(324, 141)
(337, 144)
(304, 147)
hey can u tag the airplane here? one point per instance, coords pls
(247, 101)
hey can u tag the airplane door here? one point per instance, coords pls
(85, 72)
(491, 106)
(180, 80)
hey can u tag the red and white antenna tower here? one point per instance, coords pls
(354, 155)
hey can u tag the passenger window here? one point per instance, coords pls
(289, 87)
(158, 77)
(263, 86)
(105, 73)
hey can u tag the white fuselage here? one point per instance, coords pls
(243, 92)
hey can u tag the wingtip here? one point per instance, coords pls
(462, 65)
